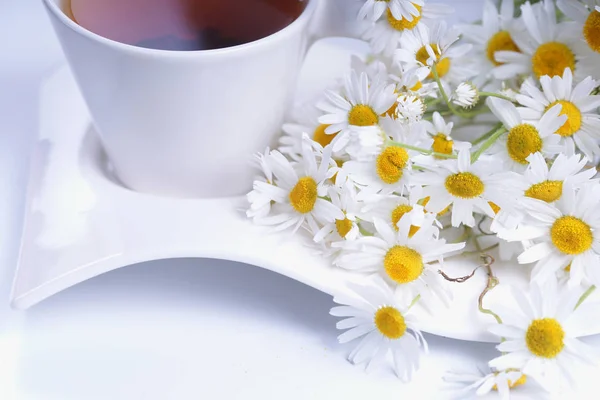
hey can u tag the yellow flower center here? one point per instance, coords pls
(444, 211)
(321, 137)
(417, 86)
(568, 267)
(404, 24)
(398, 213)
(591, 31)
(464, 185)
(403, 264)
(442, 66)
(571, 235)
(523, 140)
(544, 337)
(391, 112)
(390, 322)
(390, 163)
(343, 226)
(551, 59)
(339, 164)
(362, 115)
(304, 195)
(426, 200)
(441, 144)
(495, 207)
(521, 381)
(501, 41)
(547, 191)
(573, 117)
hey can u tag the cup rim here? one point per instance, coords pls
(53, 7)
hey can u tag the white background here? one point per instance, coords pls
(183, 329)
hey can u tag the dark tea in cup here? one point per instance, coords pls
(184, 24)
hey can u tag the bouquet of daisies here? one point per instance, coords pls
(492, 129)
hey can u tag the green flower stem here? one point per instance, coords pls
(443, 92)
(465, 235)
(498, 95)
(453, 109)
(362, 230)
(415, 300)
(432, 102)
(487, 135)
(478, 111)
(421, 150)
(488, 143)
(585, 296)
(475, 241)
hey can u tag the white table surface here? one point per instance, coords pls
(173, 329)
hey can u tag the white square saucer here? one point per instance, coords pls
(81, 222)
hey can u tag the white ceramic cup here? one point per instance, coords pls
(186, 123)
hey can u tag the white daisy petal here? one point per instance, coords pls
(510, 360)
(376, 338)
(512, 345)
(505, 111)
(355, 333)
(535, 253)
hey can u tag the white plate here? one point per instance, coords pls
(80, 222)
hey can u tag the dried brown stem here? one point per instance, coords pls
(460, 279)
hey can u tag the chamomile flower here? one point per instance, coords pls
(525, 138)
(545, 47)
(586, 15)
(566, 233)
(481, 383)
(361, 104)
(411, 91)
(295, 191)
(384, 325)
(468, 187)
(546, 183)
(343, 198)
(384, 35)
(541, 337)
(366, 141)
(424, 47)
(409, 108)
(389, 170)
(492, 35)
(402, 258)
(260, 202)
(400, 9)
(441, 140)
(465, 95)
(392, 208)
(305, 120)
(412, 81)
(582, 127)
